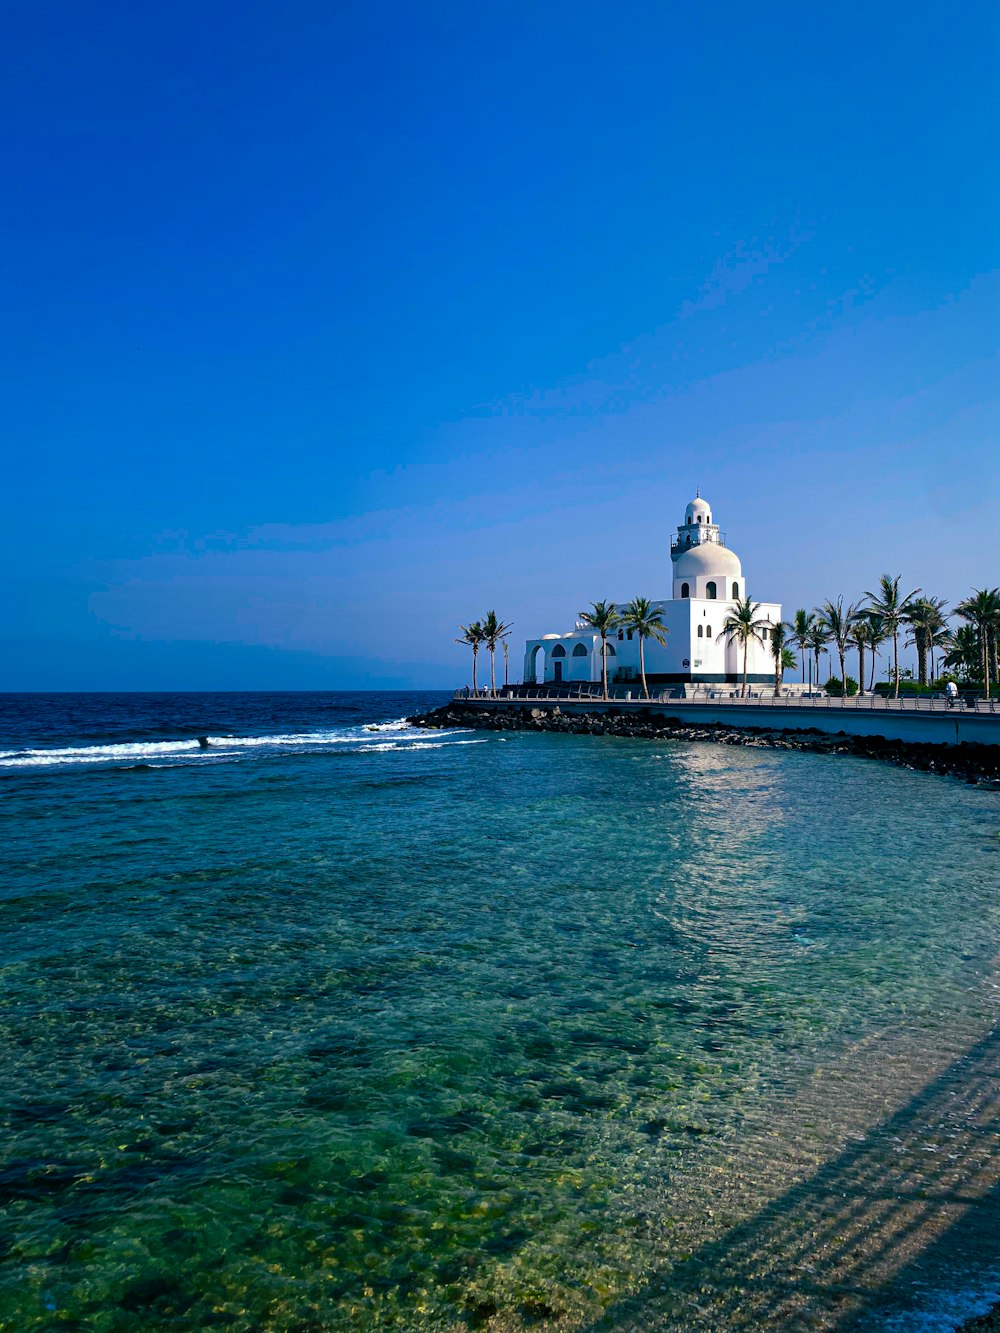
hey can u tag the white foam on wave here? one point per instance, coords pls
(97, 754)
(360, 739)
(946, 1311)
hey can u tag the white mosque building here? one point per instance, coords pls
(707, 581)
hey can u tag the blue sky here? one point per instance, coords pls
(330, 326)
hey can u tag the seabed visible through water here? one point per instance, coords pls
(331, 1028)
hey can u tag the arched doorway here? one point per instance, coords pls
(537, 672)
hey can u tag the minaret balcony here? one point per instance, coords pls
(697, 537)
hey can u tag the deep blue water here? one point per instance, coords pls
(340, 1025)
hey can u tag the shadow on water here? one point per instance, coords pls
(912, 1209)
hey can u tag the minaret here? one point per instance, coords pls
(696, 528)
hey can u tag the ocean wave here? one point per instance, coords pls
(373, 738)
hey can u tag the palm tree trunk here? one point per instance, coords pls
(642, 670)
(861, 668)
(475, 656)
(604, 664)
(843, 670)
(895, 663)
(874, 665)
(986, 658)
(802, 661)
(506, 665)
(493, 677)
(743, 692)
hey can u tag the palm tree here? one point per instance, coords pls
(506, 662)
(602, 616)
(876, 637)
(780, 651)
(473, 636)
(647, 621)
(818, 638)
(888, 604)
(493, 632)
(939, 640)
(862, 637)
(743, 626)
(838, 622)
(800, 628)
(925, 617)
(982, 608)
(963, 651)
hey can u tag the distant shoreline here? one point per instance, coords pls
(971, 762)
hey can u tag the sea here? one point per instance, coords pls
(324, 1022)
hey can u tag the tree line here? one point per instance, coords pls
(970, 649)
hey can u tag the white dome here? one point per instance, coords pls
(698, 508)
(706, 559)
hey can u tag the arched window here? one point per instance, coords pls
(708, 631)
(736, 591)
(685, 590)
(611, 650)
(580, 650)
(701, 633)
(711, 591)
(558, 651)
(621, 636)
(699, 518)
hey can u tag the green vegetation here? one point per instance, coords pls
(474, 637)
(743, 626)
(835, 686)
(968, 653)
(892, 610)
(604, 617)
(640, 616)
(494, 632)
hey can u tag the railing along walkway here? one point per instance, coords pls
(765, 698)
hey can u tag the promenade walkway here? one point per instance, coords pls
(729, 696)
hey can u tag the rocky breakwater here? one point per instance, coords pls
(972, 763)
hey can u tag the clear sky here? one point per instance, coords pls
(329, 326)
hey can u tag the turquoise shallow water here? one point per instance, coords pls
(381, 1030)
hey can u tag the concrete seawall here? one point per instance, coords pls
(944, 726)
(955, 744)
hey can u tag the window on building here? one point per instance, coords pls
(630, 635)
(708, 631)
(701, 632)
(611, 650)
(685, 590)
(580, 650)
(711, 591)
(736, 591)
(699, 518)
(558, 651)
(621, 636)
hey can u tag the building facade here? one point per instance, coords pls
(707, 581)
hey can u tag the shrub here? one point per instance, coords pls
(835, 686)
(907, 687)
